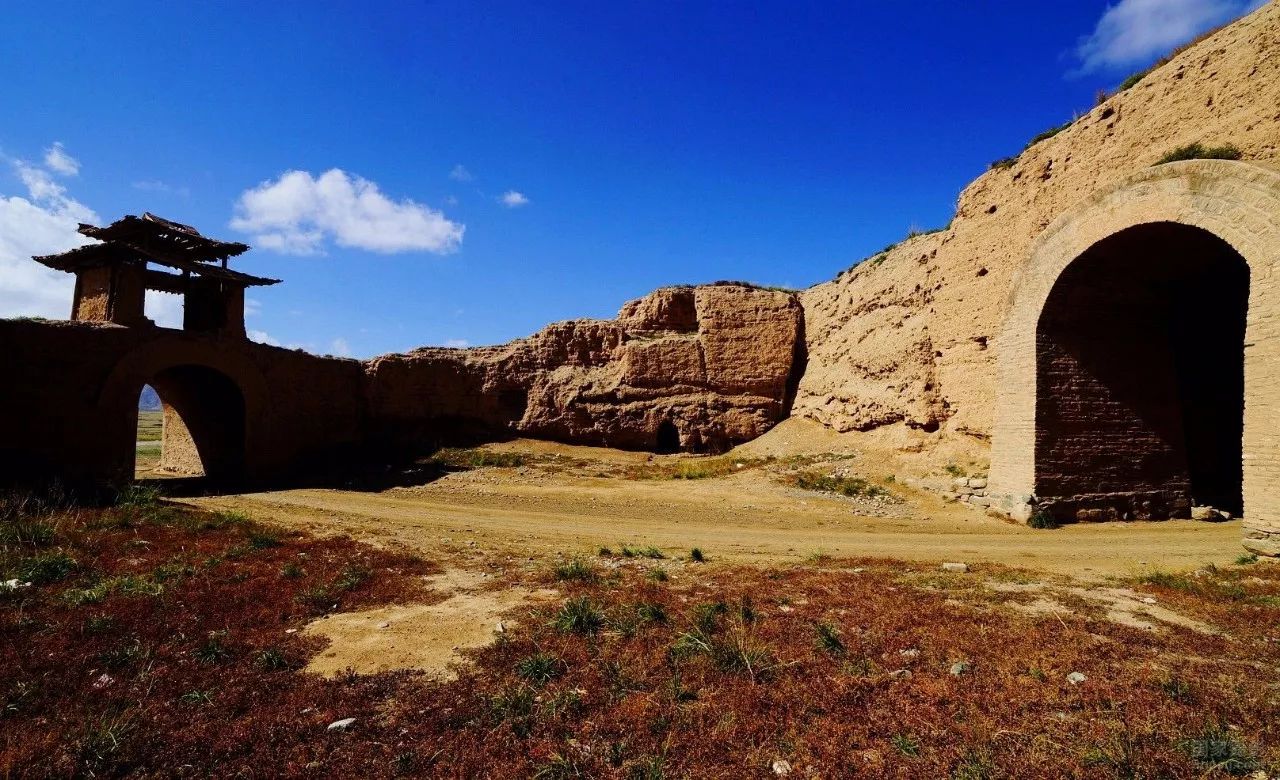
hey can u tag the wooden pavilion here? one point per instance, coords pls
(112, 276)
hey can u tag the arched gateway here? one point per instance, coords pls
(1139, 364)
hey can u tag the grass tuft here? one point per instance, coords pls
(579, 616)
(1198, 151)
(576, 570)
(1042, 520)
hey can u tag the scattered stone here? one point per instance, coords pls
(900, 674)
(958, 568)
(910, 652)
(781, 767)
(977, 483)
(959, 667)
(103, 681)
(1075, 678)
(13, 585)
(1148, 600)
(384, 624)
(961, 482)
(501, 628)
(1209, 514)
(341, 725)
(291, 630)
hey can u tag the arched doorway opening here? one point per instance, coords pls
(668, 439)
(1139, 362)
(202, 425)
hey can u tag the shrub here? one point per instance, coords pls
(1198, 151)
(291, 571)
(579, 616)
(1042, 519)
(658, 574)
(697, 556)
(1246, 559)
(1004, 163)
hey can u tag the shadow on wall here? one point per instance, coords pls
(1140, 377)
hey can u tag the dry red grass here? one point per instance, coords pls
(716, 672)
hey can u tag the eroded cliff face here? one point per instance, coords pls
(698, 368)
(907, 338)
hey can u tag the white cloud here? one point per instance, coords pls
(41, 223)
(1132, 32)
(57, 160)
(165, 309)
(460, 173)
(296, 213)
(514, 200)
(340, 348)
(252, 307)
(262, 337)
(457, 343)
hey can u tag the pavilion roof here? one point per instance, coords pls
(157, 240)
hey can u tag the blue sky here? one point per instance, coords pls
(501, 165)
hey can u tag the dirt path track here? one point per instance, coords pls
(743, 516)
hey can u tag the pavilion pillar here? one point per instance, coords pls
(110, 293)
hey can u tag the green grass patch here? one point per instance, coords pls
(854, 487)
(1198, 151)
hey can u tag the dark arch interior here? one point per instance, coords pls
(1140, 377)
(668, 440)
(204, 420)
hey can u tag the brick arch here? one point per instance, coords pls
(1238, 203)
(219, 393)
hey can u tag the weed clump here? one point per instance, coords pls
(1042, 519)
(854, 487)
(576, 570)
(539, 668)
(1198, 151)
(829, 639)
(579, 615)
(452, 457)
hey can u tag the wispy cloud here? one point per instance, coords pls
(460, 173)
(155, 185)
(57, 160)
(1133, 32)
(298, 212)
(262, 337)
(514, 200)
(340, 348)
(457, 343)
(40, 222)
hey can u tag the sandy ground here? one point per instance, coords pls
(427, 637)
(570, 500)
(567, 502)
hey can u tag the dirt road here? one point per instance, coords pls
(561, 506)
